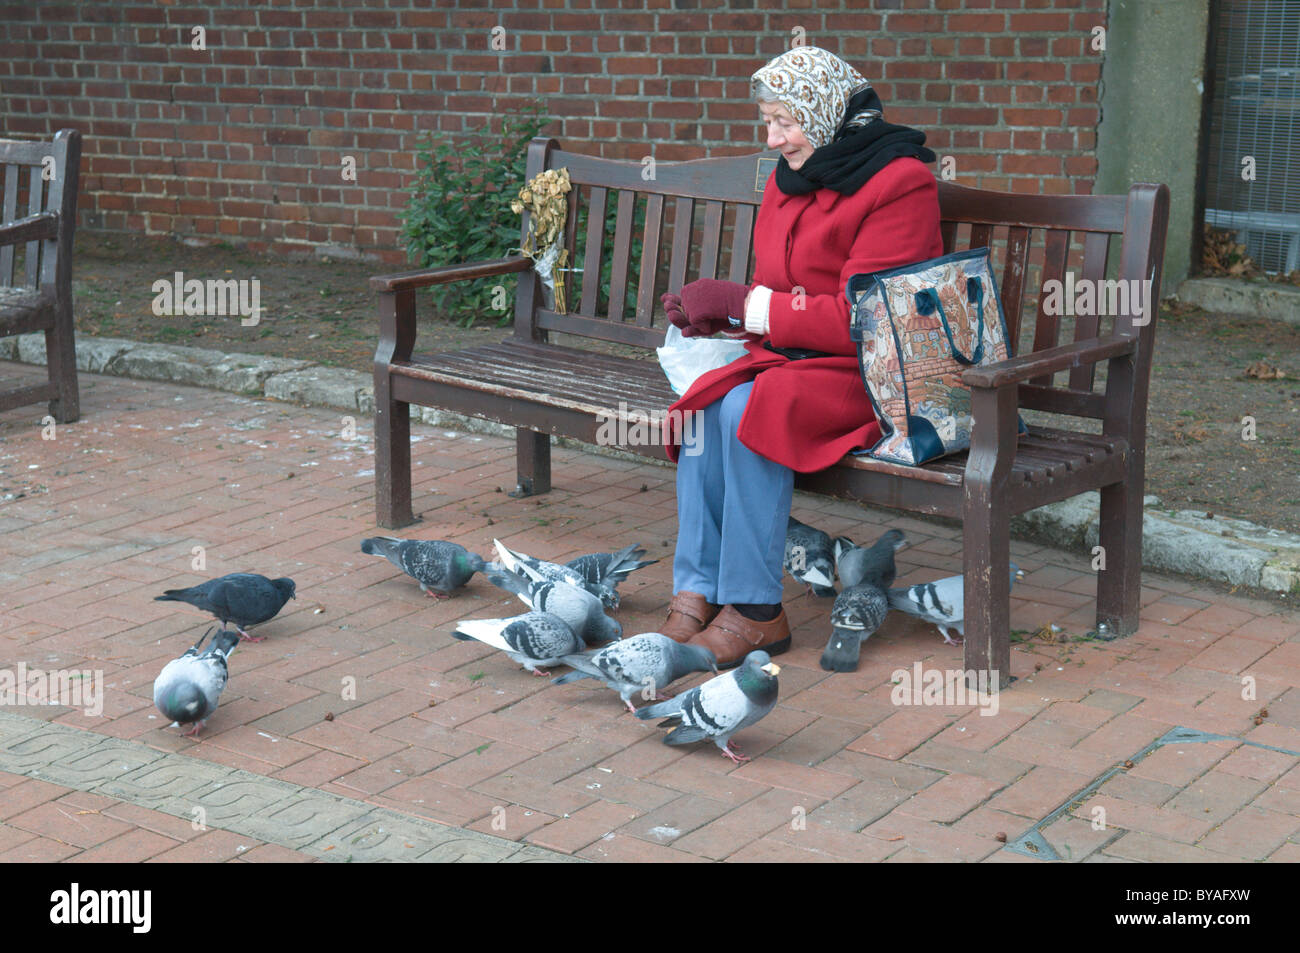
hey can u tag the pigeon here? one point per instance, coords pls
(611, 568)
(581, 611)
(809, 558)
(555, 572)
(647, 661)
(942, 602)
(188, 688)
(437, 565)
(243, 598)
(874, 564)
(721, 706)
(534, 640)
(857, 614)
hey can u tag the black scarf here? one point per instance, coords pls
(855, 154)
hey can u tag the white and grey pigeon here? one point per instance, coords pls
(440, 567)
(555, 572)
(188, 688)
(858, 612)
(244, 598)
(581, 611)
(873, 564)
(534, 640)
(942, 602)
(610, 569)
(721, 706)
(809, 557)
(648, 661)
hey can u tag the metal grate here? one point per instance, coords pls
(1252, 180)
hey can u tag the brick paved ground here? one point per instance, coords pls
(100, 519)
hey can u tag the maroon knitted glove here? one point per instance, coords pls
(705, 305)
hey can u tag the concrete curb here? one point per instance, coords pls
(1242, 296)
(1219, 549)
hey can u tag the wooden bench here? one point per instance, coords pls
(44, 222)
(543, 388)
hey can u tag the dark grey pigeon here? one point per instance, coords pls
(809, 557)
(647, 661)
(437, 565)
(857, 614)
(534, 640)
(244, 598)
(581, 611)
(942, 602)
(721, 706)
(872, 564)
(188, 688)
(610, 569)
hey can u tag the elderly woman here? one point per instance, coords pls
(850, 194)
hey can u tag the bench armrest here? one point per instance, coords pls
(30, 229)
(447, 273)
(1048, 361)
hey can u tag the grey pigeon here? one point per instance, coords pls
(437, 565)
(872, 564)
(942, 602)
(721, 706)
(581, 611)
(647, 661)
(610, 569)
(555, 572)
(857, 614)
(534, 640)
(243, 598)
(809, 557)
(188, 688)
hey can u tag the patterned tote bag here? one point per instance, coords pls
(917, 328)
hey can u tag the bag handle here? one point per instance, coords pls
(927, 302)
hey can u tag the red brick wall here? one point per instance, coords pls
(244, 142)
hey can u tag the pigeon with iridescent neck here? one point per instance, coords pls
(438, 566)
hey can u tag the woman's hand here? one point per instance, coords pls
(704, 306)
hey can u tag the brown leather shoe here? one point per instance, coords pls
(688, 614)
(731, 636)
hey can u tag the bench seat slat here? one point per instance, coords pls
(612, 386)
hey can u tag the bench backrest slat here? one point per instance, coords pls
(35, 201)
(742, 244)
(683, 225)
(1047, 326)
(1030, 236)
(596, 209)
(1015, 271)
(622, 253)
(712, 243)
(10, 213)
(650, 242)
(1096, 246)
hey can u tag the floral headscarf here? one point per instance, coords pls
(816, 86)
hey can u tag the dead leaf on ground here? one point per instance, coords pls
(1264, 371)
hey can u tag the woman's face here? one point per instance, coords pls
(784, 134)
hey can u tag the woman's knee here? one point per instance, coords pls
(732, 406)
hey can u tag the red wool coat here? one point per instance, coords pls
(807, 414)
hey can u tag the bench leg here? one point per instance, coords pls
(61, 363)
(533, 456)
(392, 459)
(1119, 585)
(986, 558)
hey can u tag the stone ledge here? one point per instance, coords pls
(1243, 296)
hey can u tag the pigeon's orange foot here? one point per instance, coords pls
(253, 638)
(193, 732)
(437, 595)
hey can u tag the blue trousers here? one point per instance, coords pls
(732, 509)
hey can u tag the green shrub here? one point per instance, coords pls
(459, 209)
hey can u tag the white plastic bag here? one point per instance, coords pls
(685, 359)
